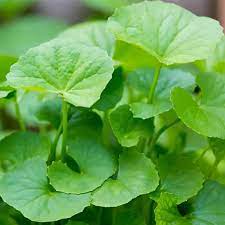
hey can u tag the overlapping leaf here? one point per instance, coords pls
(218, 147)
(129, 182)
(166, 31)
(206, 208)
(179, 177)
(18, 147)
(204, 114)
(76, 72)
(93, 34)
(128, 129)
(27, 190)
(95, 162)
(140, 82)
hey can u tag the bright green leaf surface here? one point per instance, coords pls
(27, 190)
(93, 34)
(112, 93)
(129, 183)
(76, 72)
(166, 212)
(166, 31)
(179, 176)
(127, 129)
(96, 164)
(206, 209)
(140, 82)
(205, 114)
(21, 146)
(216, 61)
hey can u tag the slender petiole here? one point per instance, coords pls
(18, 114)
(65, 125)
(154, 84)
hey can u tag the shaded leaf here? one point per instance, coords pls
(129, 183)
(179, 177)
(218, 147)
(95, 162)
(140, 82)
(18, 147)
(128, 129)
(166, 31)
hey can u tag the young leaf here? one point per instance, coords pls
(140, 82)
(76, 72)
(27, 190)
(96, 164)
(179, 177)
(129, 183)
(206, 208)
(206, 114)
(166, 212)
(21, 146)
(166, 31)
(91, 34)
(218, 147)
(127, 129)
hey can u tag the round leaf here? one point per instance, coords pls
(205, 114)
(21, 146)
(76, 72)
(93, 34)
(95, 162)
(136, 176)
(127, 129)
(140, 82)
(179, 177)
(27, 190)
(166, 31)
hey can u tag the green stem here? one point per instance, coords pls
(99, 218)
(154, 84)
(114, 212)
(213, 168)
(18, 115)
(159, 133)
(202, 154)
(52, 155)
(65, 125)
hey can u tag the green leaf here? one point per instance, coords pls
(76, 72)
(166, 31)
(179, 177)
(27, 190)
(207, 208)
(112, 93)
(18, 147)
(204, 114)
(128, 129)
(129, 183)
(91, 34)
(29, 31)
(132, 57)
(95, 162)
(166, 212)
(216, 61)
(5, 215)
(218, 147)
(139, 83)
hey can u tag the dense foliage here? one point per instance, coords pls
(122, 122)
